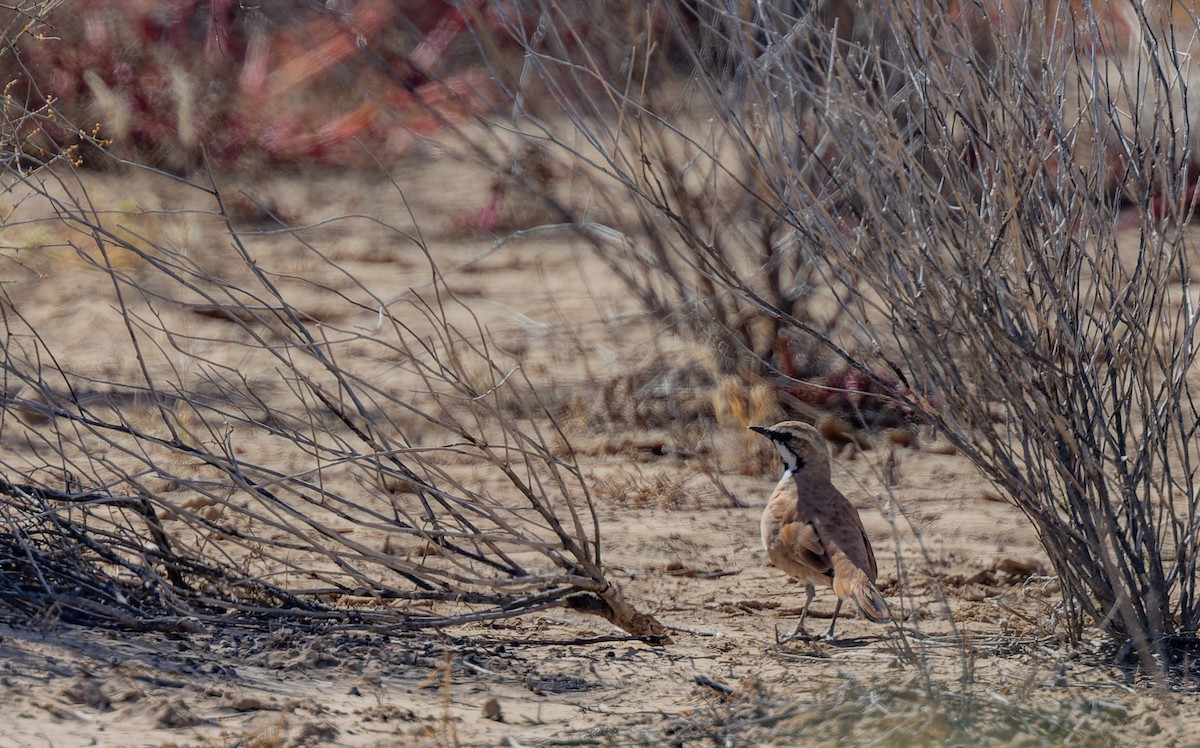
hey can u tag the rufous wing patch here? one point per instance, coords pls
(804, 545)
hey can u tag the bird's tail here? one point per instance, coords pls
(857, 586)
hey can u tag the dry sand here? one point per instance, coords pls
(679, 547)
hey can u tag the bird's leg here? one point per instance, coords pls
(801, 632)
(829, 637)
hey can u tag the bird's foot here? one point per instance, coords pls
(798, 634)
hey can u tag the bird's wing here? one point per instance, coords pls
(839, 529)
(870, 554)
(804, 546)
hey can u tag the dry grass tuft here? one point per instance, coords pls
(664, 490)
(850, 712)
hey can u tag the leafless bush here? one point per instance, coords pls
(223, 439)
(981, 215)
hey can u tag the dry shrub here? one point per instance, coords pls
(257, 443)
(968, 215)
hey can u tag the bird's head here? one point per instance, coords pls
(800, 445)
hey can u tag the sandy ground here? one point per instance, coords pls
(975, 661)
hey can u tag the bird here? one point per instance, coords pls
(813, 533)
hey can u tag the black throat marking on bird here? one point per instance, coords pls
(792, 461)
(783, 441)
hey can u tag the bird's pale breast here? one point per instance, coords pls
(791, 543)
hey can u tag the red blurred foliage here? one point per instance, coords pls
(855, 397)
(842, 390)
(276, 83)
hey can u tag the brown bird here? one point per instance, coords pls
(813, 532)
